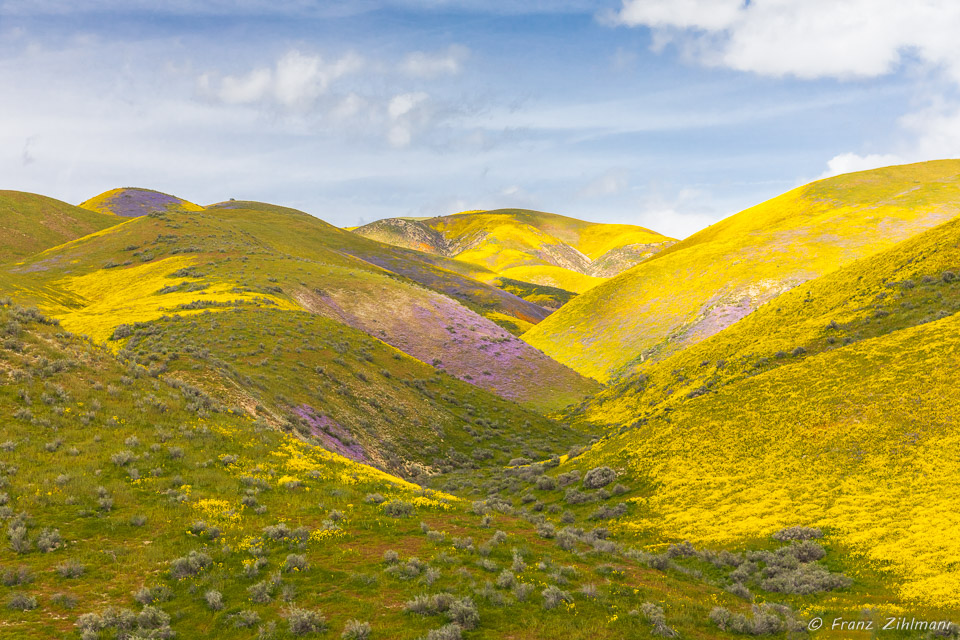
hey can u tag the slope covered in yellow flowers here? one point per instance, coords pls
(832, 406)
(857, 440)
(912, 283)
(716, 277)
(531, 246)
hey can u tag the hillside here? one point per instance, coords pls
(851, 440)
(718, 276)
(134, 505)
(131, 507)
(828, 407)
(247, 255)
(531, 246)
(912, 283)
(131, 202)
(30, 223)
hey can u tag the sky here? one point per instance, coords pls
(670, 114)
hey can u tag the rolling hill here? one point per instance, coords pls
(230, 452)
(132, 202)
(532, 246)
(829, 407)
(30, 223)
(134, 508)
(248, 255)
(718, 276)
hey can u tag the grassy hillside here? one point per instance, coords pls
(359, 397)
(30, 223)
(131, 509)
(540, 248)
(129, 202)
(714, 278)
(245, 255)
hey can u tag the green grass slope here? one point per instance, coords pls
(716, 277)
(533, 246)
(359, 397)
(247, 255)
(30, 223)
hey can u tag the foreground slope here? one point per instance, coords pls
(247, 255)
(30, 223)
(716, 277)
(531, 246)
(133, 510)
(853, 440)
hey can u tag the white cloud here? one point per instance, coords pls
(401, 105)
(253, 87)
(295, 82)
(805, 38)
(406, 114)
(933, 132)
(825, 39)
(679, 216)
(850, 162)
(427, 65)
(610, 183)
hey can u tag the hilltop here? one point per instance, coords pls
(530, 246)
(718, 276)
(132, 202)
(30, 223)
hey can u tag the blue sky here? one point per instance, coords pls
(671, 114)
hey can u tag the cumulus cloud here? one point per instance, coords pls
(294, 82)
(804, 38)
(406, 114)
(812, 39)
(850, 162)
(678, 215)
(429, 65)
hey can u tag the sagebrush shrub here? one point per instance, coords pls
(554, 596)
(70, 569)
(189, 565)
(797, 533)
(599, 477)
(22, 602)
(655, 616)
(303, 621)
(398, 509)
(356, 630)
